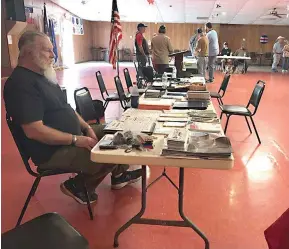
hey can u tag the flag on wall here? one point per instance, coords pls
(115, 34)
(45, 22)
(52, 38)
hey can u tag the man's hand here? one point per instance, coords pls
(90, 133)
(85, 142)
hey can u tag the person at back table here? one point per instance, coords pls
(202, 52)
(161, 48)
(226, 51)
(213, 50)
(285, 63)
(242, 52)
(54, 135)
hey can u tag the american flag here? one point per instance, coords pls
(115, 34)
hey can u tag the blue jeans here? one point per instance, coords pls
(285, 64)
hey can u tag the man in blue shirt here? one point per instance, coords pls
(277, 52)
(213, 50)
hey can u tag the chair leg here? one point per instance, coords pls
(218, 101)
(221, 101)
(87, 197)
(227, 122)
(248, 124)
(221, 115)
(31, 193)
(255, 129)
(105, 105)
(35, 187)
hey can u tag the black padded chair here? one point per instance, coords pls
(88, 108)
(231, 110)
(46, 232)
(125, 104)
(127, 78)
(129, 82)
(18, 136)
(104, 94)
(221, 93)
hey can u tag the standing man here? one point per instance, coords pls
(202, 52)
(277, 52)
(142, 48)
(161, 47)
(193, 42)
(213, 50)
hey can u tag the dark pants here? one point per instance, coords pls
(72, 158)
(238, 62)
(141, 61)
(160, 68)
(285, 63)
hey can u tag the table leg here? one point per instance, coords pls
(140, 213)
(137, 219)
(181, 210)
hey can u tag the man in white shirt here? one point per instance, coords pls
(213, 50)
(277, 52)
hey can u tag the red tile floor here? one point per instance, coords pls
(232, 207)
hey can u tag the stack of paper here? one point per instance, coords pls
(177, 139)
(198, 95)
(206, 127)
(152, 94)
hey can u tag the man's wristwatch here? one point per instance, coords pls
(74, 140)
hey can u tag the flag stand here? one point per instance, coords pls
(117, 57)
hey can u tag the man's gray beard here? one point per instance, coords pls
(50, 74)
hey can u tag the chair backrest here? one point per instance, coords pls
(101, 84)
(224, 84)
(148, 73)
(268, 55)
(257, 95)
(127, 78)
(84, 104)
(119, 88)
(18, 136)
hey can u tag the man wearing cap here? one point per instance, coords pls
(213, 50)
(202, 52)
(277, 52)
(161, 47)
(142, 48)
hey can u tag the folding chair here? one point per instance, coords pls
(88, 109)
(104, 94)
(221, 93)
(122, 99)
(18, 136)
(230, 110)
(46, 232)
(129, 82)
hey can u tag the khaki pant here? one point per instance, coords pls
(76, 159)
(202, 65)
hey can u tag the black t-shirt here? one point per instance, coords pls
(226, 51)
(31, 97)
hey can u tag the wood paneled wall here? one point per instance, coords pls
(180, 34)
(234, 34)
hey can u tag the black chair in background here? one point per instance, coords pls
(104, 94)
(231, 110)
(221, 93)
(254, 58)
(129, 82)
(268, 58)
(18, 136)
(88, 108)
(46, 232)
(127, 78)
(122, 97)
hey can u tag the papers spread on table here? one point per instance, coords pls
(173, 119)
(198, 95)
(134, 120)
(206, 127)
(177, 139)
(199, 145)
(152, 93)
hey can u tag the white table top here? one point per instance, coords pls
(233, 57)
(153, 157)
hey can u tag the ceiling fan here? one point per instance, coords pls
(275, 13)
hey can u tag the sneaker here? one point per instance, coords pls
(274, 70)
(69, 188)
(209, 81)
(125, 179)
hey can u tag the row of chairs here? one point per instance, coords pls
(236, 110)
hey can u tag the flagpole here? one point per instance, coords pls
(117, 59)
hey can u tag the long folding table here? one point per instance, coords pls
(153, 158)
